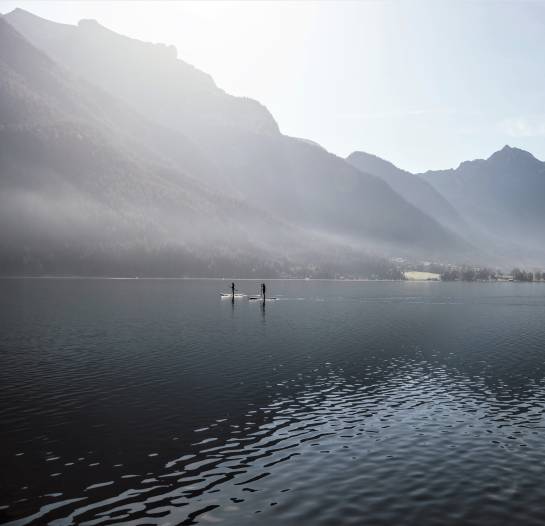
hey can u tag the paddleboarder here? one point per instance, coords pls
(263, 290)
(233, 290)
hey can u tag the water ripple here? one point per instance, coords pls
(378, 406)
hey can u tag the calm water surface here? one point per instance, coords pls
(154, 402)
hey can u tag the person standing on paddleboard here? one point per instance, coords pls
(233, 289)
(263, 289)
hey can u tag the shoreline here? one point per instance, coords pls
(166, 278)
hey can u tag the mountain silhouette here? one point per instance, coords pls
(225, 155)
(501, 197)
(83, 193)
(414, 189)
(494, 203)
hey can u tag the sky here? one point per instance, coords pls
(424, 84)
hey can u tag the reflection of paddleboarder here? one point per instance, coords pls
(263, 290)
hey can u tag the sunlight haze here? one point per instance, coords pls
(272, 263)
(425, 85)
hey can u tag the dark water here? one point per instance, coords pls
(155, 402)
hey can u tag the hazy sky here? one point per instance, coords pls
(423, 84)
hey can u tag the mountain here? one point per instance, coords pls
(118, 158)
(495, 204)
(502, 197)
(89, 187)
(243, 154)
(148, 76)
(82, 192)
(416, 190)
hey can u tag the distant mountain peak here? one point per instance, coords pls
(510, 153)
(505, 156)
(22, 15)
(89, 22)
(186, 99)
(20, 11)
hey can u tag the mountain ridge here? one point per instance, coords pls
(302, 184)
(413, 188)
(496, 197)
(79, 197)
(119, 68)
(502, 197)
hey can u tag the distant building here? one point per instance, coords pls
(414, 275)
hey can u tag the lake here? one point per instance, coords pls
(155, 402)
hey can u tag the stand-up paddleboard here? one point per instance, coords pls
(260, 298)
(229, 295)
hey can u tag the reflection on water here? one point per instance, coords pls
(154, 402)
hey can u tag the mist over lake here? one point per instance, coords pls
(153, 401)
